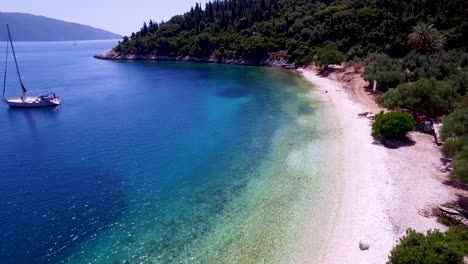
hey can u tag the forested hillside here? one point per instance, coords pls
(254, 29)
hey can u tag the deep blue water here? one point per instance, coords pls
(143, 160)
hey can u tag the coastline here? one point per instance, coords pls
(382, 191)
(276, 60)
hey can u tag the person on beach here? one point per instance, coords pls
(433, 133)
(429, 127)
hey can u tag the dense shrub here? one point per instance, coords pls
(454, 133)
(392, 125)
(460, 165)
(386, 71)
(438, 66)
(357, 63)
(435, 247)
(426, 96)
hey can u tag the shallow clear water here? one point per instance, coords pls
(156, 162)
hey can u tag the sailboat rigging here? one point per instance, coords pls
(42, 100)
(6, 67)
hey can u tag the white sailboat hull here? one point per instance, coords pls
(31, 102)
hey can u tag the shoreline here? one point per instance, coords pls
(276, 60)
(383, 191)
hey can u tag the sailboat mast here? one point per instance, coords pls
(5, 75)
(23, 90)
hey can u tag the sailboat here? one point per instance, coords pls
(42, 100)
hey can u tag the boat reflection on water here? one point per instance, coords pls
(32, 117)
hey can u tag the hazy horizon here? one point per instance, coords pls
(117, 16)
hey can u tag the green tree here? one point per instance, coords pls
(255, 49)
(328, 55)
(425, 38)
(203, 45)
(454, 134)
(434, 247)
(303, 55)
(357, 63)
(392, 125)
(425, 96)
(388, 72)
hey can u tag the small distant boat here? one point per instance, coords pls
(42, 100)
(74, 43)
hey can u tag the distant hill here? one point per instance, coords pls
(27, 27)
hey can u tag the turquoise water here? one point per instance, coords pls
(157, 162)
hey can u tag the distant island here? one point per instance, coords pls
(28, 27)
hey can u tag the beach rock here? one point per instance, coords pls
(363, 246)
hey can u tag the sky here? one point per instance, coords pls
(119, 16)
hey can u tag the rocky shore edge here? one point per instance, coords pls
(276, 60)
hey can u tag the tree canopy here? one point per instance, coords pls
(427, 96)
(455, 136)
(426, 39)
(433, 247)
(254, 29)
(328, 55)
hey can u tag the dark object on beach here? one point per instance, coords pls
(363, 246)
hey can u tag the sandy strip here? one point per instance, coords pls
(384, 191)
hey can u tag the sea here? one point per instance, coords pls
(159, 162)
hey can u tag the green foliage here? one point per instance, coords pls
(460, 165)
(392, 125)
(303, 55)
(425, 38)
(357, 63)
(431, 85)
(454, 133)
(439, 66)
(328, 55)
(254, 29)
(434, 247)
(386, 71)
(427, 96)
